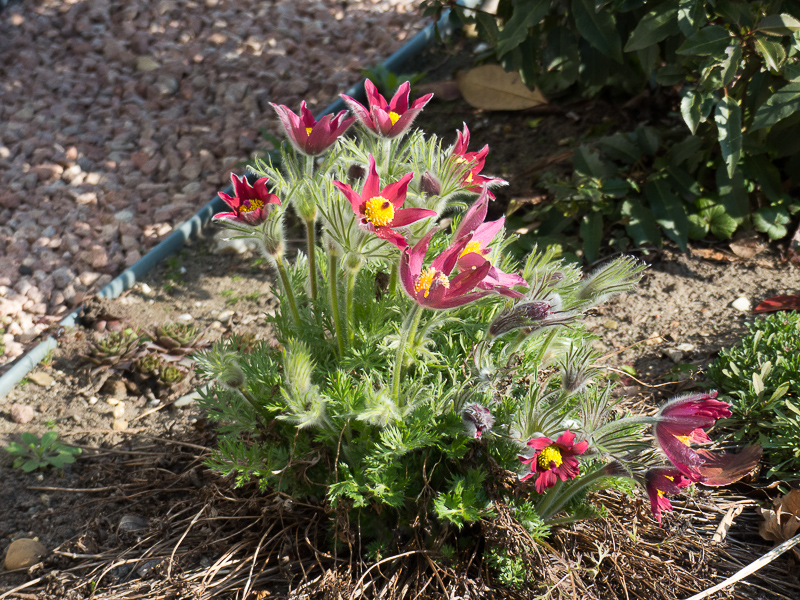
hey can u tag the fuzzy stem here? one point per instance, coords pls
(408, 333)
(333, 269)
(350, 306)
(287, 288)
(620, 424)
(553, 505)
(393, 279)
(513, 346)
(311, 236)
(386, 150)
(251, 399)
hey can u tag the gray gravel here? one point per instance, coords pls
(119, 120)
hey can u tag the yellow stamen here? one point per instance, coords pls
(684, 439)
(460, 160)
(379, 211)
(468, 178)
(394, 117)
(309, 130)
(255, 204)
(660, 493)
(426, 279)
(550, 455)
(471, 247)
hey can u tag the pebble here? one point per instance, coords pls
(673, 354)
(119, 425)
(742, 304)
(93, 400)
(22, 413)
(24, 552)
(187, 400)
(185, 318)
(119, 411)
(41, 378)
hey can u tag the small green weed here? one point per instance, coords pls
(511, 571)
(35, 453)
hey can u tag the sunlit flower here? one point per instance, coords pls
(681, 422)
(477, 419)
(387, 119)
(533, 314)
(308, 135)
(478, 248)
(250, 203)
(379, 209)
(661, 481)
(432, 287)
(473, 164)
(553, 460)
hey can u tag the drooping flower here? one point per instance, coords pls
(387, 119)
(659, 482)
(379, 209)
(307, 135)
(250, 203)
(473, 164)
(477, 419)
(553, 460)
(432, 287)
(477, 249)
(681, 422)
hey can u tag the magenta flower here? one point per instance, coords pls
(477, 419)
(473, 164)
(309, 136)
(553, 460)
(387, 119)
(682, 421)
(379, 209)
(432, 287)
(250, 202)
(474, 254)
(660, 481)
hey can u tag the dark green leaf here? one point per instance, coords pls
(709, 40)
(685, 150)
(698, 227)
(782, 103)
(28, 438)
(654, 27)
(595, 67)
(588, 162)
(30, 465)
(772, 52)
(598, 28)
(616, 188)
(527, 13)
(487, 27)
(791, 72)
(669, 212)
(691, 16)
(784, 139)
(561, 54)
(733, 194)
(728, 118)
(721, 224)
(648, 58)
(683, 182)
(772, 220)
(696, 107)
(766, 174)
(48, 439)
(648, 139)
(591, 231)
(619, 147)
(730, 66)
(782, 24)
(670, 74)
(640, 224)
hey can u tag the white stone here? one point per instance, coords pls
(742, 304)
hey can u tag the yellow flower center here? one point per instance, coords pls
(550, 455)
(660, 493)
(309, 130)
(394, 117)
(684, 439)
(379, 211)
(460, 160)
(426, 279)
(255, 204)
(471, 247)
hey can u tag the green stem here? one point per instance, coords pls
(513, 346)
(386, 150)
(311, 236)
(552, 507)
(333, 270)
(287, 288)
(309, 166)
(393, 279)
(251, 399)
(350, 305)
(408, 333)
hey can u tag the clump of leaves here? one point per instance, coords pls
(174, 341)
(761, 379)
(35, 453)
(114, 350)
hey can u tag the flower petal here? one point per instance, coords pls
(404, 216)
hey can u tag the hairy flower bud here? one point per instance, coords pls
(477, 420)
(429, 184)
(526, 314)
(356, 171)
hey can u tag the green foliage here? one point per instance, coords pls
(511, 570)
(387, 81)
(35, 453)
(760, 377)
(735, 65)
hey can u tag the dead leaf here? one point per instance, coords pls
(711, 254)
(747, 247)
(490, 87)
(783, 522)
(776, 303)
(441, 90)
(724, 468)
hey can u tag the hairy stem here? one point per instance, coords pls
(333, 270)
(407, 334)
(393, 279)
(287, 288)
(350, 305)
(311, 239)
(552, 505)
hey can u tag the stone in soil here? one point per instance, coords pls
(24, 553)
(22, 413)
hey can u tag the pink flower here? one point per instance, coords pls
(250, 202)
(477, 249)
(553, 460)
(432, 287)
(682, 421)
(660, 481)
(379, 209)
(387, 119)
(309, 136)
(473, 164)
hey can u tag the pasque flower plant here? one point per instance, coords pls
(427, 357)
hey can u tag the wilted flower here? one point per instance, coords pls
(387, 119)
(379, 209)
(660, 481)
(309, 136)
(477, 249)
(553, 460)
(680, 422)
(477, 419)
(432, 287)
(473, 164)
(250, 202)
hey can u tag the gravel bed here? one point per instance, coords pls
(120, 119)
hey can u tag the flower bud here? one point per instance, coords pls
(523, 315)
(429, 184)
(353, 261)
(477, 419)
(356, 171)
